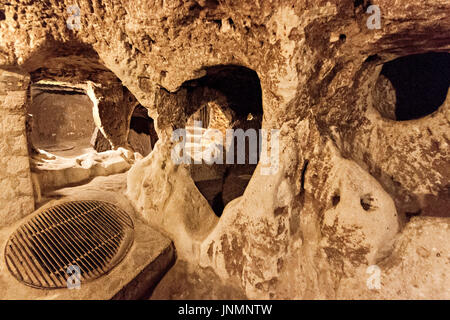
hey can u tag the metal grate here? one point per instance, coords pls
(93, 235)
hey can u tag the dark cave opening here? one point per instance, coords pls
(421, 83)
(142, 135)
(240, 85)
(227, 97)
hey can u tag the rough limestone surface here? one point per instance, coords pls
(347, 176)
(16, 199)
(113, 106)
(59, 118)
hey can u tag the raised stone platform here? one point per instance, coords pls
(148, 259)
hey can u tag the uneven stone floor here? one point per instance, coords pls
(185, 281)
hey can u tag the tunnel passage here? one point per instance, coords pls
(142, 135)
(60, 118)
(77, 65)
(226, 98)
(412, 87)
(73, 97)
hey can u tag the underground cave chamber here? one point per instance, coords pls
(353, 178)
(72, 139)
(82, 130)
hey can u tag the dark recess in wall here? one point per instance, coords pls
(421, 83)
(240, 85)
(142, 123)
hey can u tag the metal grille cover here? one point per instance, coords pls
(93, 235)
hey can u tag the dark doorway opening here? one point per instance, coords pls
(227, 97)
(142, 135)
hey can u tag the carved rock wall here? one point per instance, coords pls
(16, 199)
(346, 175)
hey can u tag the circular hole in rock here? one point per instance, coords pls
(412, 87)
(367, 202)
